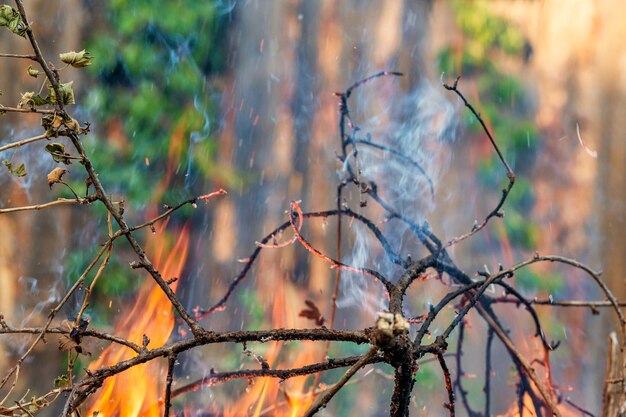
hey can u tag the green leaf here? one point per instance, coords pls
(61, 381)
(77, 59)
(19, 171)
(32, 71)
(57, 150)
(10, 18)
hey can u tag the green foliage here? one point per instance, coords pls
(426, 377)
(249, 301)
(532, 282)
(117, 282)
(154, 60)
(503, 104)
(14, 169)
(486, 31)
(11, 18)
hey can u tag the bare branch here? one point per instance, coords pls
(323, 400)
(24, 142)
(57, 202)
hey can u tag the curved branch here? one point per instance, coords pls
(295, 211)
(509, 172)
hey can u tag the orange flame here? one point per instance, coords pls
(267, 396)
(528, 410)
(136, 391)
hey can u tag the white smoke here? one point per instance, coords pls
(420, 126)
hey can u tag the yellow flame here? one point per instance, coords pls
(267, 396)
(136, 391)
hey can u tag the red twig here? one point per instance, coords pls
(296, 212)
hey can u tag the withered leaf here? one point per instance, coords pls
(56, 176)
(77, 59)
(30, 100)
(66, 343)
(312, 313)
(15, 170)
(73, 125)
(52, 123)
(67, 93)
(57, 150)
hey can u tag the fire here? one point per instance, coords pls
(137, 391)
(267, 396)
(529, 410)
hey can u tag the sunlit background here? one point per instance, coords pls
(186, 97)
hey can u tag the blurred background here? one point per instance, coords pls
(185, 97)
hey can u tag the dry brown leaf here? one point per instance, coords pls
(312, 313)
(56, 176)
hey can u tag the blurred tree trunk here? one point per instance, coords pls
(34, 244)
(282, 123)
(578, 65)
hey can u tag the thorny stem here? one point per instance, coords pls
(446, 374)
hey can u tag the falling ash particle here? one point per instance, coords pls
(589, 151)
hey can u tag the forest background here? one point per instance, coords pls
(239, 95)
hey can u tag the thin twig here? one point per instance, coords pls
(58, 202)
(51, 316)
(487, 386)
(89, 289)
(296, 212)
(509, 172)
(24, 141)
(446, 375)
(528, 369)
(323, 400)
(5, 109)
(171, 361)
(19, 56)
(283, 374)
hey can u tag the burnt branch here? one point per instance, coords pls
(214, 378)
(446, 374)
